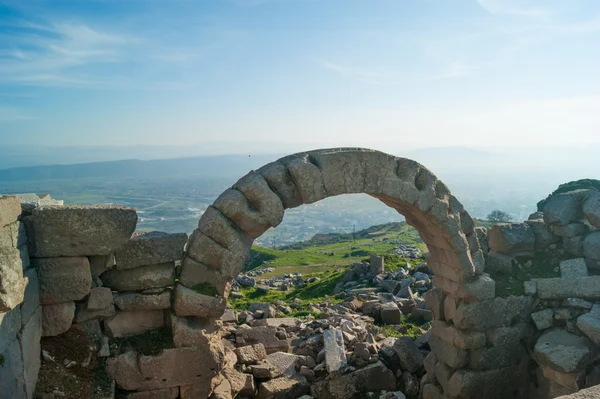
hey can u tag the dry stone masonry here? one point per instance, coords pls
(494, 333)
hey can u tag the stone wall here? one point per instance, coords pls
(20, 312)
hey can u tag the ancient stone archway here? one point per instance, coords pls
(218, 248)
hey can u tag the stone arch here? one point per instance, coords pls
(218, 248)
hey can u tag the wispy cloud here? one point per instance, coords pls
(386, 77)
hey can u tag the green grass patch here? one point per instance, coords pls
(413, 331)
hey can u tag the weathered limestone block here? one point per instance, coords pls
(574, 245)
(410, 357)
(10, 210)
(565, 208)
(543, 319)
(500, 383)
(84, 314)
(495, 262)
(280, 181)
(480, 288)
(463, 339)
(510, 238)
(591, 246)
(497, 312)
(591, 208)
(307, 177)
(170, 368)
(574, 381)
(432, 391)
(589, 393)
(233, 204)
(374, 377)
(188, 302)
(136, 301)
(194, 273)
(10, 324)
(258, 193)
(506, 335)
(443, 373)
(59, 231)
(203, 249)
(164, 393)
(150, 249)
(434, 300)
(390, 313)
(222, 230)
(241, 383)
(573, 268)
(251, 354)
(345, 171)
(12, 379)
(571, 229)
(140, 278)
(57, 318)
(283, 388)
(192, 331)
(560, 288)
(335, 355)
(99, 298)
(31, 300)
(134, 322)
(63, 279)
(496, 357)
(265, 335)
(589, 324)
(101, 263)
(12, 283)
(563, 351)
(482, 237)
(451, 355)
(29, 339)
(543, 234)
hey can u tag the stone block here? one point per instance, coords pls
(29, 339)
(57, 318)
(434, 300)
(151, 249)
(508, 334)
(573, 381)
(63, 279)
(574, 245)
(241, 384)
(502, 383)
(251, 354)
(530, 287)
(283, 388)
(497, 312)
(31, 300)
(192, 331)
(543, 319)
(390, 313)
(10, 324)
(464, 339)
(12, 283)
(544, 236)
(589, 324)
(12, 379)
(591, 246)
(561, 288)
(10, 210)
(137, 301)
(495, 357)
(101, 263)
(497, 263)
(307, 177)
(188, 302)
(573, 268)
(219, 228)
(449, 354)
(335, 355)
(563, 351)
(194, 273)
(571, 230)
(511, 238)
(233, 204)
(164, 393)
(60, 231)
(266, 335)
(591, 208)
(128, 323)
(258, 193)
(279, 179)
(140, 278)
(565, 208)
(374, 377)
(410, 357)
(170, 368)
(99, 298)
(84, 314)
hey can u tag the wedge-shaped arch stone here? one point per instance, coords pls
(204, 249)
(260, 196)
(194, 273)
(280, 180)
(233, 204)
(225, 232)
(307, 177)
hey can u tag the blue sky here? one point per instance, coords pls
(400, 74)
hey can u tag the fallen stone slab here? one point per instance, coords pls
(128, 323)
(151, 248)
(509, 238)
(283, 388)
(390, 313)
(374, 377)
(335, 354)
(140, 278)
(170, 368)
(266, 335)
(278, 322)
(192, 331)
(561, 288)
(589, 393)
(573, 268)
(57, 318)
(58, 231)
(63, 279)
(287, 362)
(137, 301)
(589, 324)
(563, 351)
(251, 354)
(188, 302)
(164, 393)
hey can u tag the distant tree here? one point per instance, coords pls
(499, 216)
